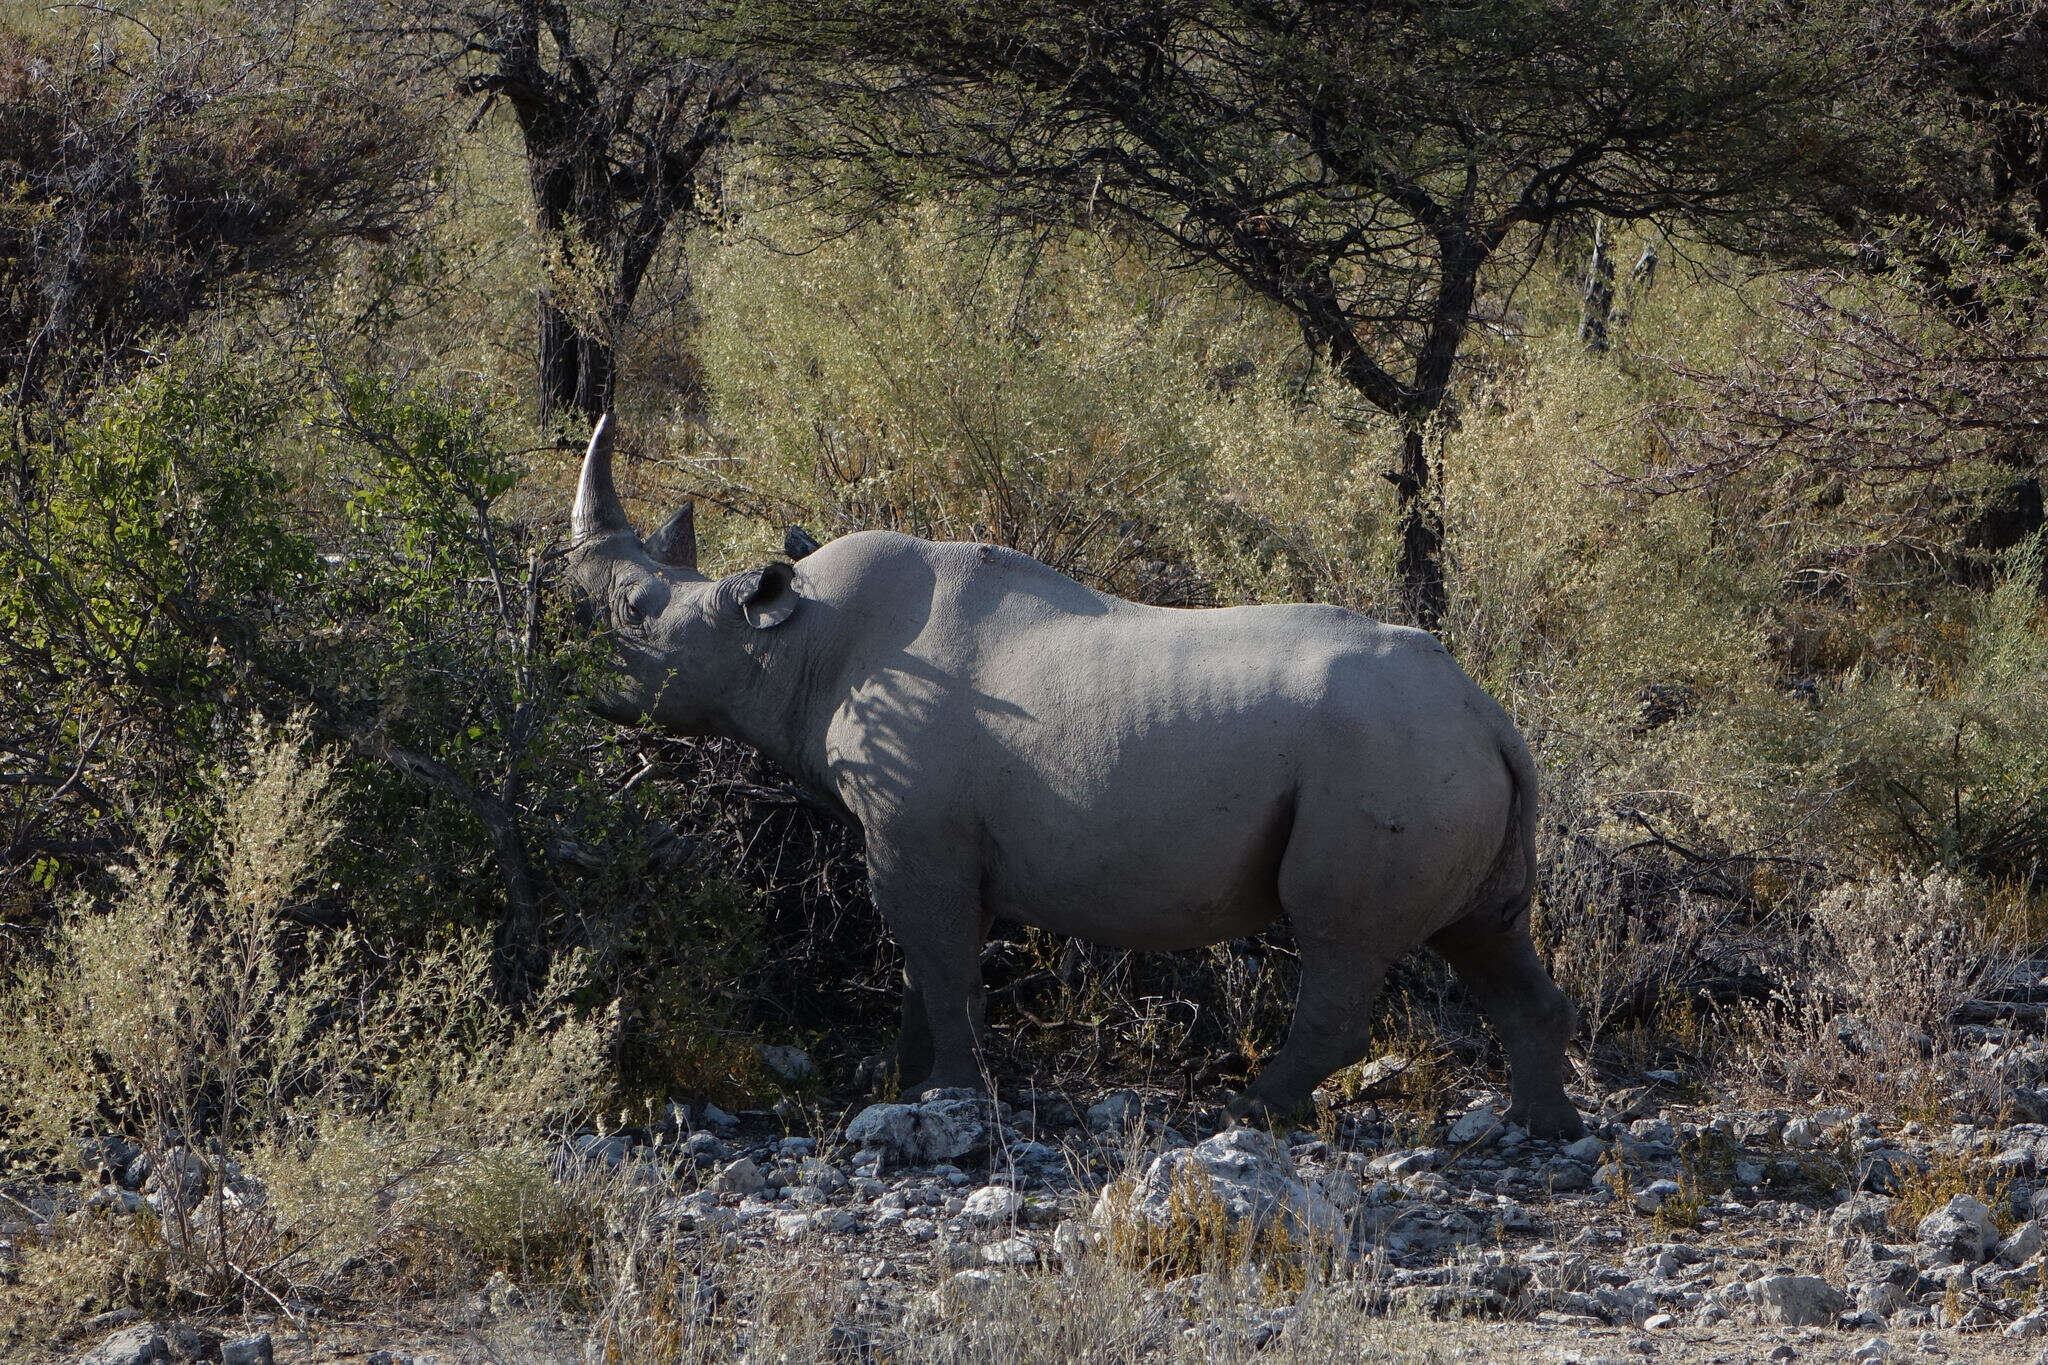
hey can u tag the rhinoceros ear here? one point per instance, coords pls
(675, 544)
(797, 542)
(765, 597)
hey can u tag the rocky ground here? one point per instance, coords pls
(1669, 1231)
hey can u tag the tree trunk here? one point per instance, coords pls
(518, 954)
(1597, 306)
(576, 370)
(1422, 533)
(557, 356)
(517, 941)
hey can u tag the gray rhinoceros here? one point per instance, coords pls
(1013, 743)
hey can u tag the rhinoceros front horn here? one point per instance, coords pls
(598, 511)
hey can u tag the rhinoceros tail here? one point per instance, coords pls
(1511, 886)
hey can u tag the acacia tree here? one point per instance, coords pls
(148, 174)
(1975, 78)
(621, 112)
(1362, 163)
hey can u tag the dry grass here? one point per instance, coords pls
(1949, 1173)
(350, 1123)
(676, 1300)
(1868, 990)
(1199, 1237)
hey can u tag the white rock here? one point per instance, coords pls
(1412, 1162)
(1798, 1300)
(143, 1344)
(718, 1118)
(1653, 1132)
(1035, 1154)
(2022, 1245)
(2029, 1327)
(1656, 1195)
(1380, 1070)
(1343, 1189)
(964, 1288)
(251, 1350)
(1011, 1251)
(792, 1226)
(1803, 1133)
(834, 1220)
(1961, 1230)
(919, 1134)
(119, 1200)
(790, 1063)
(741, 1177)
(1115, 1111)
(1867, 1214)
(1660, 1322)
(1251, 1177)
(1875, 1351)
(1588, 1150)
(1472, 1126)
(992, 1204)
(1880, 1297)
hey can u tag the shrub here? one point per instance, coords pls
(1868, 991)
(326, 1098)
(144, 172)
(1057, 397)
(1945, 765)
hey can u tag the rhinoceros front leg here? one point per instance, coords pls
(911, 1058)
(933, 907)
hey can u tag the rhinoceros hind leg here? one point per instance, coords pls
(1500, 967)
(1331, 1029)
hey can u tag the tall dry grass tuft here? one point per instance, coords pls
(308, 1108)
(1868, 991)
(674, 1296)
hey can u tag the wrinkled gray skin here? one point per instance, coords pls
(1013, 743)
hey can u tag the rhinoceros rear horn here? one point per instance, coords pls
(598, 511)
(675, 544)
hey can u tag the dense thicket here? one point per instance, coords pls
(142, 182)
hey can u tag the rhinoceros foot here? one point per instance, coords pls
(1548, 1119)
(1253, 1108)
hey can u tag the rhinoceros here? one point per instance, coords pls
(1012, 743)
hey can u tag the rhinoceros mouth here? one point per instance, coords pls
(615, 704)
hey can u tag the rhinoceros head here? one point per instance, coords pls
(682, 639)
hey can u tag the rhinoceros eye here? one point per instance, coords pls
(644, 601)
